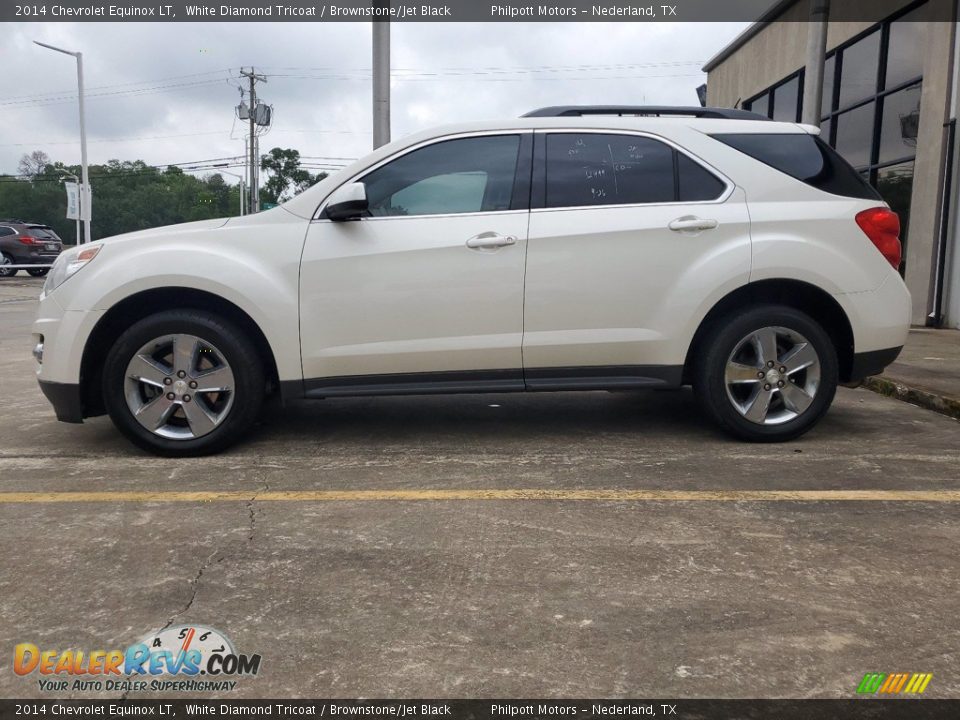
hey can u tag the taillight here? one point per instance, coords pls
(882, 226)
(29, 240)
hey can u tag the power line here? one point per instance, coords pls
(50, 102)
(159, 169)
(499, 79)
(111, 140)
(70, 93)
(338, 72)
(405, 74)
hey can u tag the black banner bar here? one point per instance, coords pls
(417, 709)
(447, 11)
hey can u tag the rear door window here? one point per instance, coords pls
(590, 169)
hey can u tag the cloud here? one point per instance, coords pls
(165, 93)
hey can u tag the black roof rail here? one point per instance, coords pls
(12, 221)
(648, 110)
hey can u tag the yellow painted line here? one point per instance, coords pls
(939, 496)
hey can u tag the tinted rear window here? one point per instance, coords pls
(806, 158)
(43, 232)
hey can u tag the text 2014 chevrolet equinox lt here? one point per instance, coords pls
(566, 250)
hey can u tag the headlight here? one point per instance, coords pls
(67, 265)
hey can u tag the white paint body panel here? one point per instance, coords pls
(252, 262)
(405, 294)
(615, 286)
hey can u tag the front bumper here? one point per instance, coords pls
(61, 336)
(66, 400)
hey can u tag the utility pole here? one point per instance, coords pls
(254, 204)
(816, 57)
(381, 78)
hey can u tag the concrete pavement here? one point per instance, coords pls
(927, 373)
(487, 594)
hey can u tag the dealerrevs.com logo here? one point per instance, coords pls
(188, 658)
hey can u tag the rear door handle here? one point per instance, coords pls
(490, 240)
(689, 223)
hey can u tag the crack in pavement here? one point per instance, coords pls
(253, 511)
(251, 506)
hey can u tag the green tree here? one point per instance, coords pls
(287, 178)
(127, 196)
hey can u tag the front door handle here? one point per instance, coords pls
(490, 240)
(690, 223)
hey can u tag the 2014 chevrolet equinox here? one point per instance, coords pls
(566, 250)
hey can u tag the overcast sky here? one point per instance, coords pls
(165, 93)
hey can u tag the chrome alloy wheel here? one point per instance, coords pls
(179, 387)
(4, 270)
(772, 375)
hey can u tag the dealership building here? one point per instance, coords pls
(889, 107)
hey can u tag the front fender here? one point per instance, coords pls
(249, 266)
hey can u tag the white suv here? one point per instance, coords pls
(572, 249)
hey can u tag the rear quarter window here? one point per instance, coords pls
(803, 157)
(695, 183)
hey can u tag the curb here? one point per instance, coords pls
(924, 398)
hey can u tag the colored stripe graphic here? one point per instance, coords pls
(871, 682)
(894, 683)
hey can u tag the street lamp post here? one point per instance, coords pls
(85, 193)
(242, 185)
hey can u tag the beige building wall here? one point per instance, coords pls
(779, 49)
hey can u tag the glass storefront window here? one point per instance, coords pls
(855, 134)
(761, 104)
(786, 99)
(899, 123)
(905, 51)
(858, 69)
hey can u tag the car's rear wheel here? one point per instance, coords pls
(38, 272)
(766, 375)
(5, 262)
(183, 382)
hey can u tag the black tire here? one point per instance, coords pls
(725, 337)
(38, 272)
(4, 271)
(243, 360)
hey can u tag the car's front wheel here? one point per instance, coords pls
(183, 382)
(767, 374)
(5, 262)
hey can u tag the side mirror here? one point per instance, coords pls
(348, 202)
